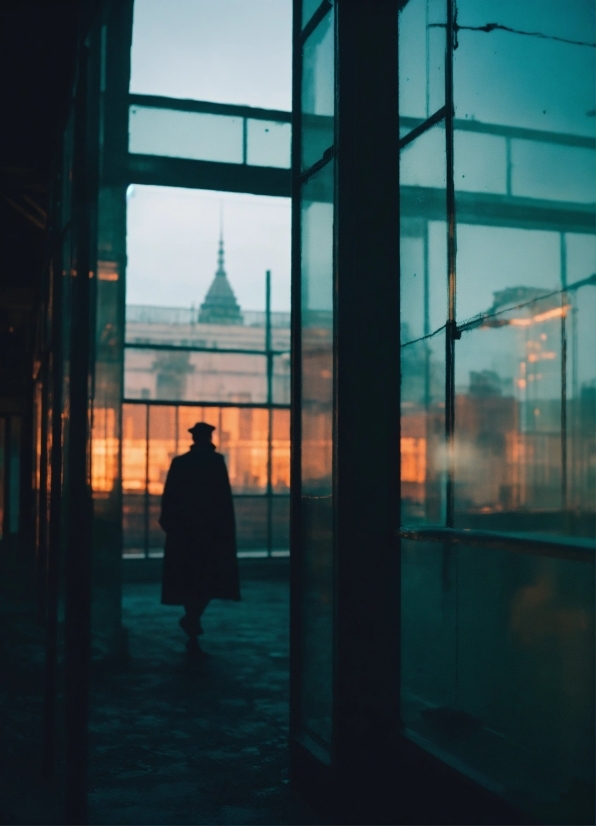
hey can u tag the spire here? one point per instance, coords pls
(220, 305)
(220, 255)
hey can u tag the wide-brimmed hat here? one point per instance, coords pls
(201, 429)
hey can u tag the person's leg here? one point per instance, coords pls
(191, 621)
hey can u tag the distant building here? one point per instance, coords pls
(193, 375)
(220, 305)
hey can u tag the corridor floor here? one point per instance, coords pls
(173, 743)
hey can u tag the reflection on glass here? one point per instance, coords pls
(318, 92)
(496, 265)
(422, 438)
(316, 452)
(421, 60)
(533, 82)
(422, 162)
(481, 162)
(522, 404)
(552, 171)
(309, 7)
(178, 134)
(268, 143)
(498, 670)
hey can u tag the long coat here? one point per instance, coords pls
(197, 515)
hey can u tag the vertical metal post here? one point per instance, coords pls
(451, 332)
(146, 509)
(269, 357)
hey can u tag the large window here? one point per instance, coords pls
(498, 443)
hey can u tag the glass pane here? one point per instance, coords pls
(268, 143)
(317, 444)
(480, 163)
(281, 379)
(552, 171)
(134, 472)
(280, 525)
(529, 81)
(499, 671)
(421, 60)
(318, 91)
(174, 375)
(280, 452)
(309, 7)
(229, 51)
(251, 524)
(183, 245)
(175, 134)
(423, 248)
(520, 400)
(162, 449)
(422, 439)
(497, 266)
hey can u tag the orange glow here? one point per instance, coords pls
(241, 436)
(556, 312)
(413, 459)
(104, 450)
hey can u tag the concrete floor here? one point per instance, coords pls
(173, 743)
(170, 743)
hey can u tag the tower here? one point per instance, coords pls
(220, 305)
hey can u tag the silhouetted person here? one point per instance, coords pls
(197, 515)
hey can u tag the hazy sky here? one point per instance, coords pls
(230, 51)
(172, 241)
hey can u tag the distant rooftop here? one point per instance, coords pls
(146, 314)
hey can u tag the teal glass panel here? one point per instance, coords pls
(317, 451)
(318, 92)
(194, 135)
(269, 143)
(523, 407)
(498, 672)
(551, 171)
(309, 7)
(423, 292)
(421, 60)
(529, 77)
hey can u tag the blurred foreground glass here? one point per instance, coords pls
(421, 60)
(498, 671)
(318, 92)
(317, 451)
